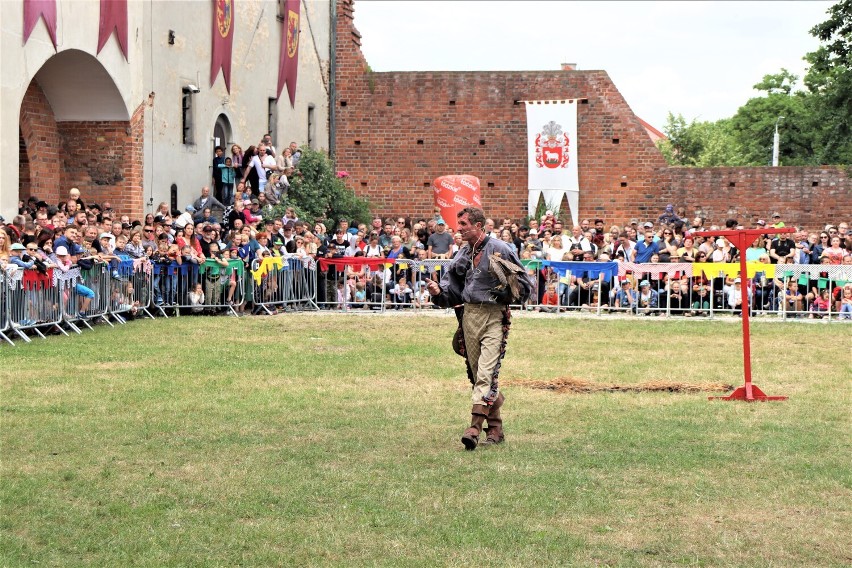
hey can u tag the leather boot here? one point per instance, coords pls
(470, 439)
(494, 432)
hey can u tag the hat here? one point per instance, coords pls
(105, 236)
(648, 225)
(548, 212)
(190, 208)
(18, 246)
(278, 242)
(761, 222)
(255, 202)
(776, 214)
(533, 232)
(126, 225)
(644, 283)
(737, 281)
(720, 243)
(207, 229)
(61, 251)
(634, 221)
(440, 221)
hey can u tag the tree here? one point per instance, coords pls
(318, 193)
(701, 144)
(829, 80)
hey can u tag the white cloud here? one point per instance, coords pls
(693, 58)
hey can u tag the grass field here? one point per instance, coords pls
(334, 440)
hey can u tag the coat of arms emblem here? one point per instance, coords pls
(223, 17)
(551, 147)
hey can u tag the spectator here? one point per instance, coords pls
(626, 297)
(646, 248)
(834, 253)
(846, 302)
(207, 200)
(647, 300)
(781, 247)
(440, 242)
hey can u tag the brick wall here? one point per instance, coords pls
(395, 132)
(104, 159)
(41, 139)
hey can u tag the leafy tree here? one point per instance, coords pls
(702, 144)
(817, 124)
(753, 125)
(318, 193)
(829, 80)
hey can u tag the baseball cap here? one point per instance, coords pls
(18, 246)
(644, 283)
(441, 222)
(207, 229)
(255, 202)
(737, 281)
(61, 251)
(634, 221)
(776, 214)
(190, 208)
(761, 222)
(105, 236)
(648, 225)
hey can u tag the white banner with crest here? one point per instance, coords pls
(552, 153)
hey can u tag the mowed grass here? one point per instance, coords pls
(312, 440)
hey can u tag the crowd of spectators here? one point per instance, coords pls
(233, 220)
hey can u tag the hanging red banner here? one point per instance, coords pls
(113, 18)
(223, 41)
(288, 61)
(35, 9)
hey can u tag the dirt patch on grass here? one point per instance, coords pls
(571, 384)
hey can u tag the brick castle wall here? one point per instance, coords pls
(104, 159)
(396, 132)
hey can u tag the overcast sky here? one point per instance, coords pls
(699, 59)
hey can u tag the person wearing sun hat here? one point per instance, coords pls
(63, 261)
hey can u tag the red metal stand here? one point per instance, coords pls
(743, 238)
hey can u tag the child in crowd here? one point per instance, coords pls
(626, 296)
(846, 302)
(821, 304)
(550, 300)
(402, 293)
(422, 297)
(792, 297)
(360, 295)
(342, 295)
(196, 298)
(227, 181)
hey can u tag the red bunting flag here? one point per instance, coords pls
(113, 18)
(35, 9)
(223, 41)
(288, 62)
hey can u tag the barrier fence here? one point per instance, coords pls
(35, 303)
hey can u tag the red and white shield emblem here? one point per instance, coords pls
(551, 147)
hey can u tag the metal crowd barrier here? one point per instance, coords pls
(5, 320)
(198, 288)
(288, 283)
(33, 302)
(684, 288)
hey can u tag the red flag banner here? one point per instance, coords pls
(113, 18)
(288, 63)
(35, 9)
(223, 41)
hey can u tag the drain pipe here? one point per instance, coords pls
(332, 85)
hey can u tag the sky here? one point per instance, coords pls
(698, 59)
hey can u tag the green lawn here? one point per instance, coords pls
(334, 440)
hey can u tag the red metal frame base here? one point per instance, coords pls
(741, 393)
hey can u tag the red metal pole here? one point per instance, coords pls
(741, 245)
(749, 392)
